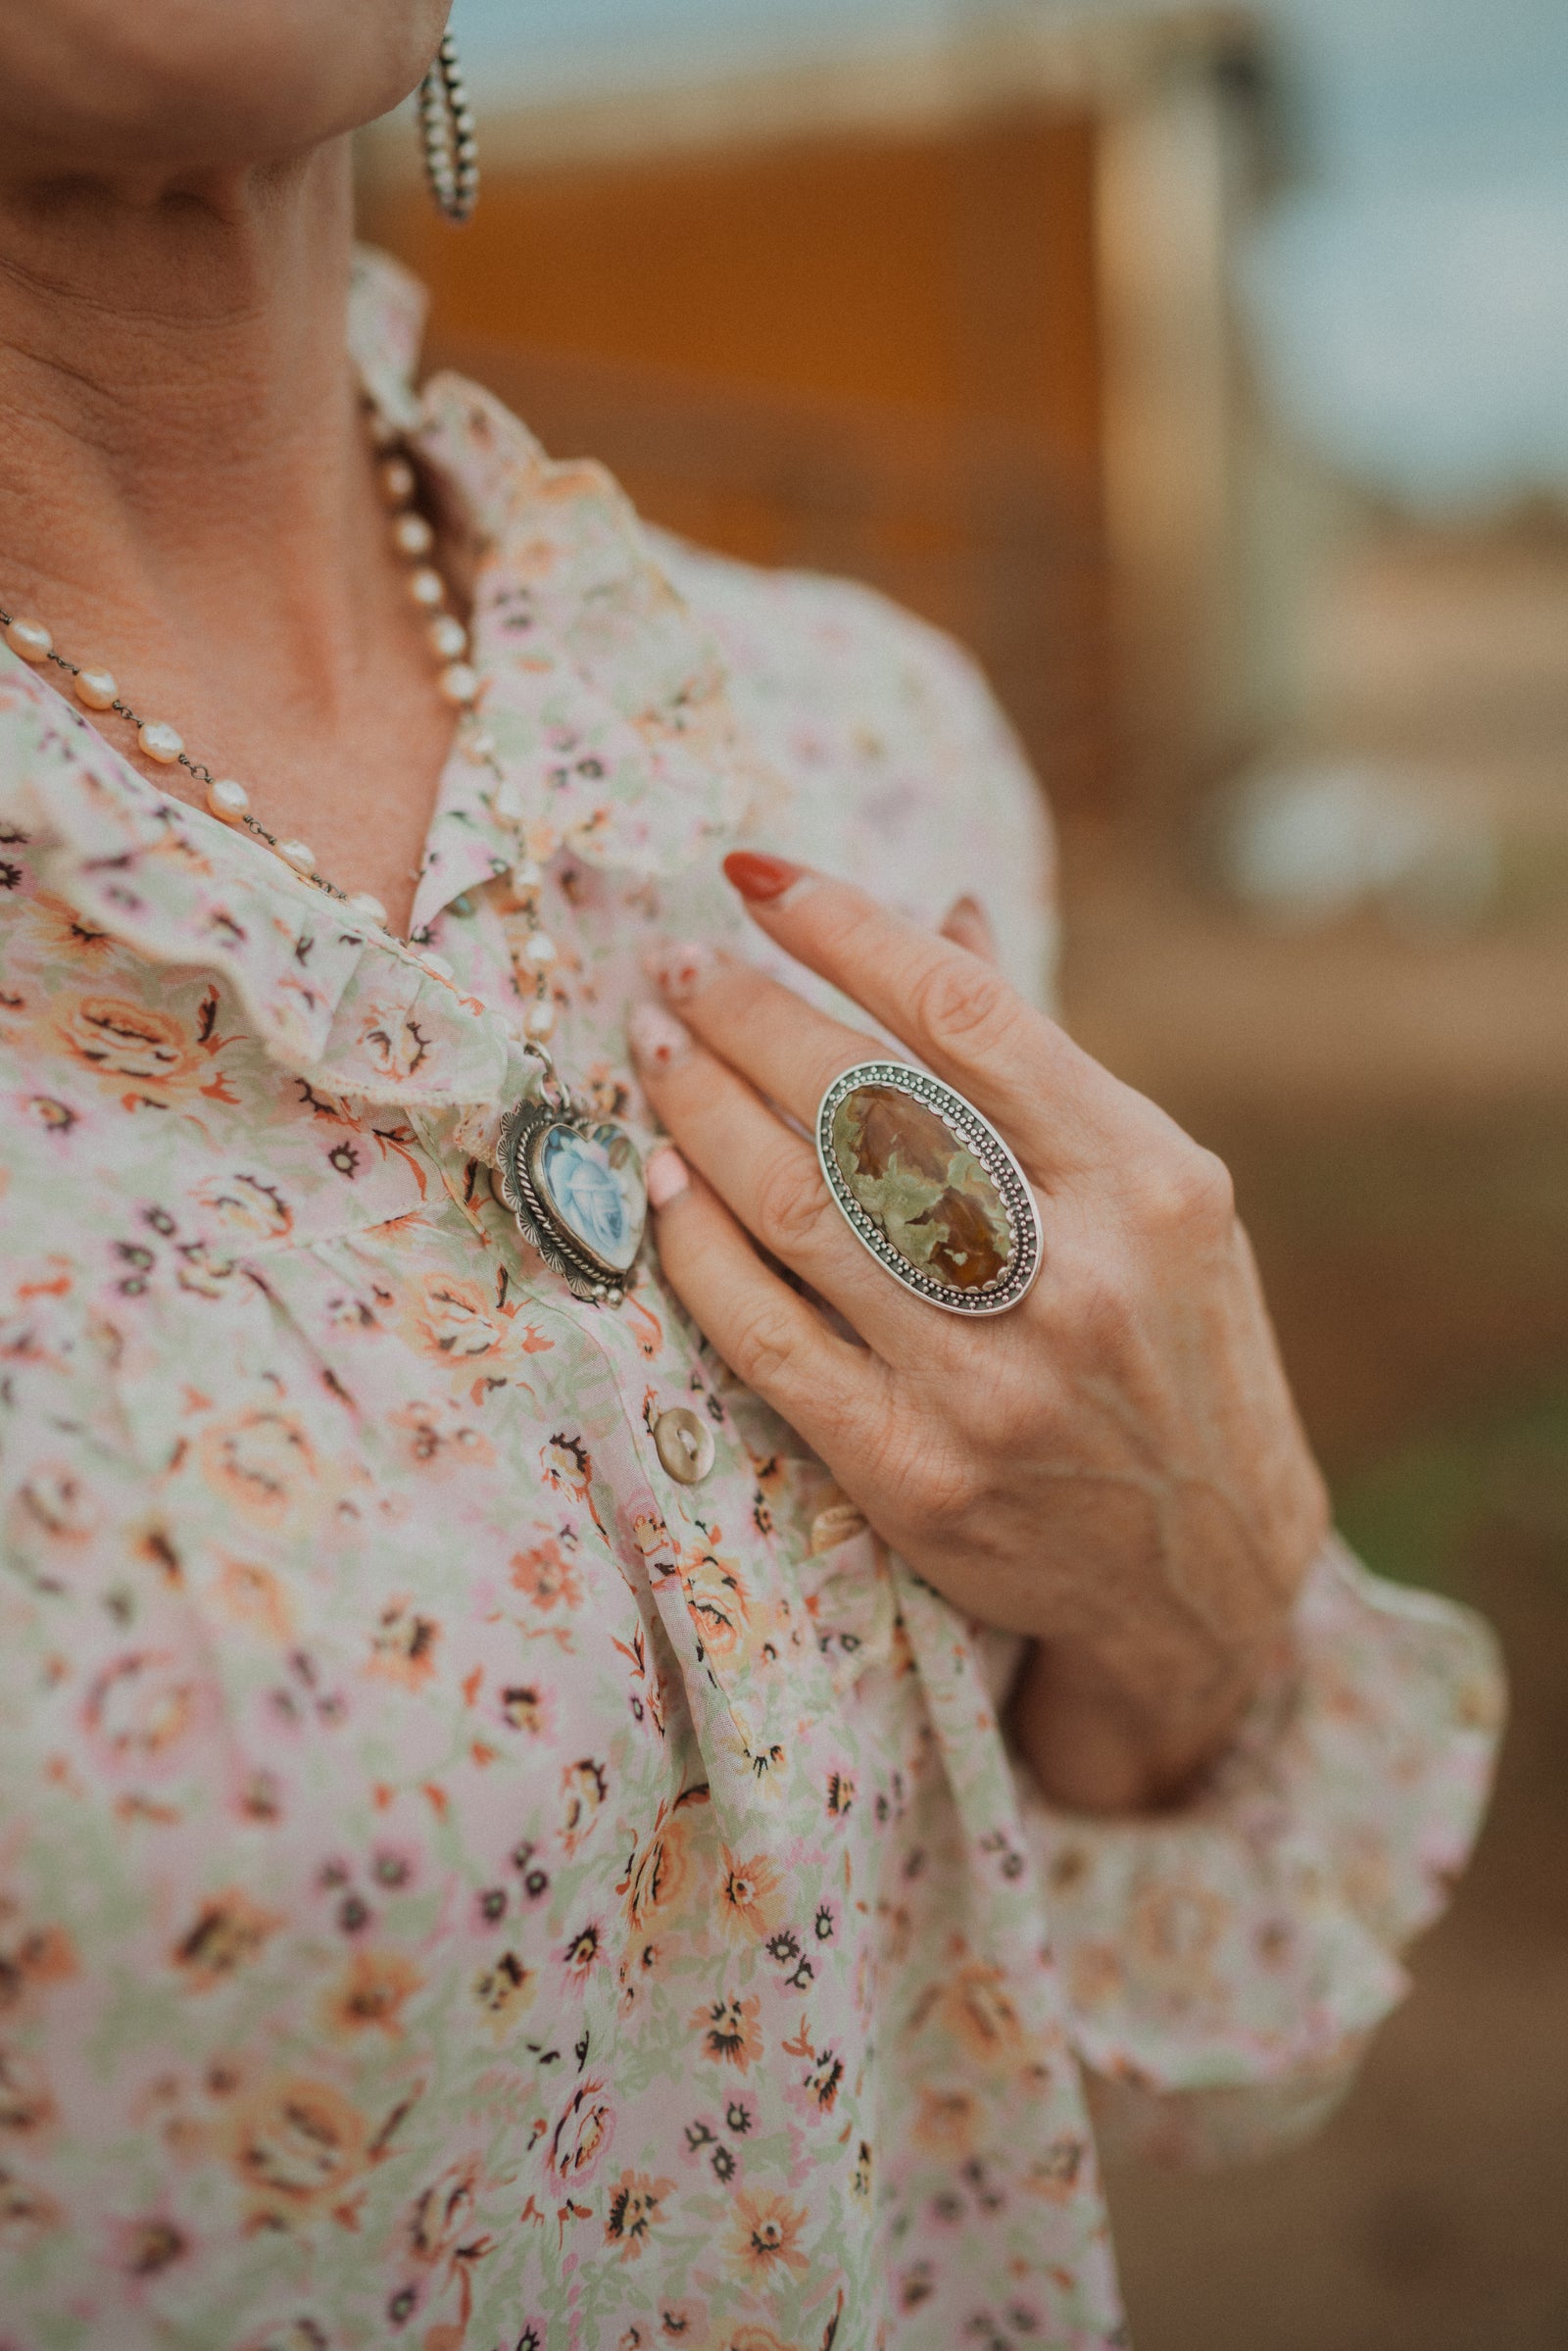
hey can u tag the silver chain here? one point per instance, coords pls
(554, 1091)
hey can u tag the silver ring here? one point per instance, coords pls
(929, 1186)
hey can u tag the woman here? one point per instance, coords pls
(507, 1838)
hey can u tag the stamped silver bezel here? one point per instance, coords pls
(522, 1132)
(979, 1136)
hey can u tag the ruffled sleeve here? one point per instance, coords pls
(1226, 1962)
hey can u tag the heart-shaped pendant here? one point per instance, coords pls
(575, 1186)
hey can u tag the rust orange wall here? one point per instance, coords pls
(951, 274)
(874, 354)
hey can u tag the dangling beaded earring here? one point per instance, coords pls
(447, 135)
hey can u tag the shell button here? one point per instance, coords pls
(684, 1442)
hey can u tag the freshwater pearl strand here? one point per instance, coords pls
(413, 540)
(98, 690)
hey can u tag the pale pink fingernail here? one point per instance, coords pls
(666, 1175)
(681, 969)
(967, 924)
(658, 1039)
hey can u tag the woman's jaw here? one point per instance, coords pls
(150, 95)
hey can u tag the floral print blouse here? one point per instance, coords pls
(460, 1884)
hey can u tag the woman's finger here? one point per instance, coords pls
(1057, 1107)
(789, 1051)
(766, 1176)
(773, 1339)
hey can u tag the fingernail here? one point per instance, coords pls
(682, 969)
(658, 1038)
(758, 877)
(667, 1176)
(967, 924)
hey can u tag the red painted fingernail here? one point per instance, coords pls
(758, 877)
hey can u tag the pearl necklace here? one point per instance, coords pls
(573, 1180)
(457, 681)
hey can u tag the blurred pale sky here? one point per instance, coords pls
(1440, 86)
(559, 45)
(1409, 299)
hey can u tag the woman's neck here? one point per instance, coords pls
(177, 417)
(186, 495)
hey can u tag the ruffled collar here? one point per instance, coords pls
(351, 1008)
(608, 705)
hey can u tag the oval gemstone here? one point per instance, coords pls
(921, 1185)
(591, 1181)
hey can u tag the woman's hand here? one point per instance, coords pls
(1114, 1467)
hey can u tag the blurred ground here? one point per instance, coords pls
(1396, 1110)
(1429, 2216)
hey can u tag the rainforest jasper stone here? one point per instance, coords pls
(928, 1195)
(591, 1180)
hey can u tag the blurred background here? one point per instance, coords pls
(1206, 371)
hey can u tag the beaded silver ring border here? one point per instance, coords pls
(976, 1131)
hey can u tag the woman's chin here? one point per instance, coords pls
(92, 86)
